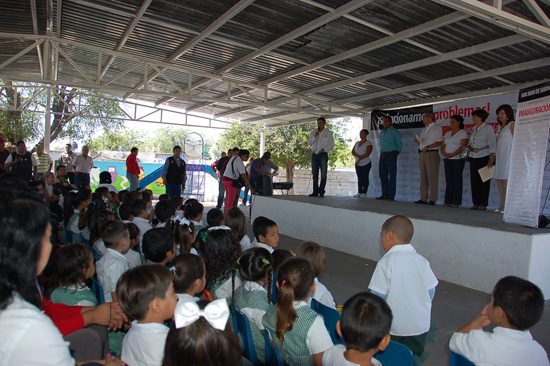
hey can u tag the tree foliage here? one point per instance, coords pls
(114, 140)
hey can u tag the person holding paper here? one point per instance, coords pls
(428, 147)
(482, 145)
(505, 115)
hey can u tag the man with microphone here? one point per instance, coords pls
(321, 143)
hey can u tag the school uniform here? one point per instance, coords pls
(257, 244)
(245, 243)
(335, 357)
(222, 289)
(502, 347)
(109, 269)
(144, 343)
(251, 300)
(144, 225)
(322, 294)
(99, 246)
(133, 258)
(74, 295)
(187, 297)
(308, 336)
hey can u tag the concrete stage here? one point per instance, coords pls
(466, 247)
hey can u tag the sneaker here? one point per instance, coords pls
(243, 204)
(363, 195)
(359, 195)
(421, 202)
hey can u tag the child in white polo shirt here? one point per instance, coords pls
(405, 280)
(516, 305)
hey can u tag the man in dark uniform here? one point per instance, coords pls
(22, 162)
(173, 174)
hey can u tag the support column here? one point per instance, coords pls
(262, 143)
(366, 121)
(47, 122)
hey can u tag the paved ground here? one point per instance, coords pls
(453, 305)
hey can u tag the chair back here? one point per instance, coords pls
(458, 360)
(395, 354)
(97, 289)
(242, 327)
(331, 317)
(272, 356)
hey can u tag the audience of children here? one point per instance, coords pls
(315, 254)
(140, 217)
(158, 246)
(236, 221)
(266, 233)
(214, 217)
(164, 211)
(189, 276)
(132, 256)
(192, 211)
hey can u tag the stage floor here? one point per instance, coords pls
(464, 216)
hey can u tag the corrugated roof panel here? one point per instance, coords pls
(16, 16)
(264, 66)
(540, 73)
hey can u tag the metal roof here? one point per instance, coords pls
(277, 62)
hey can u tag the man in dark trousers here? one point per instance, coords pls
(173, 174)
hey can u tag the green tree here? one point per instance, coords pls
(288, 145)
(126, 137)
(166, 138)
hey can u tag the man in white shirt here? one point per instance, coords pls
(428, 147)
(83, 165)
(321, 142)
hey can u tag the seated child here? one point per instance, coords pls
(315, 254)
(192, 210)
(402, 276)
(189, 276)
(113, 263)
(235, 220)
(139, 211)
(125, 213)
(178, 201)
(214, 217)
(279, 256)
(252, 299)
(183, 231)
(365, 328)
(220, 253)
(75, 214)
(105, 180)
(73, 264)
(296, 330)
(98, 218)
(133, 257)
(164, 211)
(158, 246)
(266, 233)
(516, 305)
(199, 340)
(146, 294)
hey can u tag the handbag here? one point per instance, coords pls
(239, 182)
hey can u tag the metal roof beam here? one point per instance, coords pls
(453, 80)
(35, 30)
(537, 12)
(501, 18)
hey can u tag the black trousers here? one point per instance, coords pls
(480, 190)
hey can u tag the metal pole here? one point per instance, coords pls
(262, 143)
(48, 125)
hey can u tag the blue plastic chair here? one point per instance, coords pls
(458, 360)
(331, 317)
(272, 356)
(395, 354)
(97, 289)
(243, 328)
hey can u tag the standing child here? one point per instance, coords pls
(200, 336)
(252, 299)
(113, 263)
(192, 210)
(220, 254)
(73, 265)
(266, 233)
(158, 246)
(405, 280)
(315, 254)
(234, 219)
(516, 305)
(146, 294)
(296, 330)
(189, 276)
(365, 328)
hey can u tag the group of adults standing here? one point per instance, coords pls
(484, 149)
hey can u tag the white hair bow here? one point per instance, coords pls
(182, 221)
(221, 227)
(216, 313)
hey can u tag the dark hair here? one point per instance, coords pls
(220, 253)
(214, 216)
(402, 226)
(96, 220)
(134, 149)
(315, 254)
(365, 131)
(59, 167)
(189, 268)
(295, 278)
(20, 245)
(138, 286)
(366, 320)
(244, 152)
(236, 149)
(146, 196)
(125, 211)
(183, 234)
(105, 177)
(201, 344)
(134, 195)
(322, 119)
(19, 143)
(260, 226)
(481, 113)
(73, 200)
(279, 256)
(266, 155)
(459, 119)
(156, 243)
(256, 264)
(178, 201)
(138, 206)
(123, 196)
(176, 147)
(234, 219)
(522, 301)
(164, 197)
(509, 112)
(164, 210)
(70, 264)
(112, 232)
(192, 208)
(133, 230)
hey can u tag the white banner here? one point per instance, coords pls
(529, 149)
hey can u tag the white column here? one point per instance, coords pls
(366, 121)
(47, 122)
(262, 143)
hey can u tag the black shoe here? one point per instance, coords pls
(313, 194)
(421, 202)
(322, 195)
(391, 199)
(381, 198)
(431, 203)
